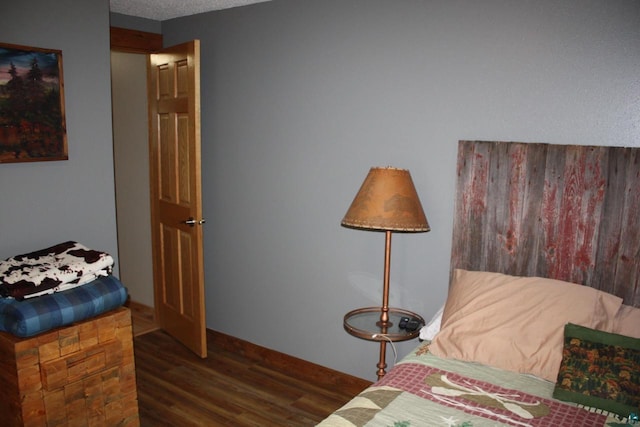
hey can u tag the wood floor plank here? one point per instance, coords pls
(237, 385)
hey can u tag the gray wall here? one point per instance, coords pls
(44, 203)
(301, 97)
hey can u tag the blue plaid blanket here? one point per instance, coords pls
(35, 315)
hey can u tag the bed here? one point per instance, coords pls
(541, 326)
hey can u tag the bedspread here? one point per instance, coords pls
(424, 390)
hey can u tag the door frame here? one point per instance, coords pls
(143, 44)
(134, 41)
(140, 43)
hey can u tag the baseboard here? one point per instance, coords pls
(134, 305)
(303, 369)
(143, 317)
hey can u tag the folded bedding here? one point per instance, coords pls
(57, 268)
(35, 315)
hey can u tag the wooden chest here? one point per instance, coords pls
(79, 375)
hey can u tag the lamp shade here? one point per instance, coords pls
(387, 201)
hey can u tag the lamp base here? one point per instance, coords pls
(380, 324)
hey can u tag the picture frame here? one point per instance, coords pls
(32, 113)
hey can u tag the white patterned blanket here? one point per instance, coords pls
(57, 268)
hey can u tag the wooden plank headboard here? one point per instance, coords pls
(565, 212)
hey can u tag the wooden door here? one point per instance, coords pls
(176, 201)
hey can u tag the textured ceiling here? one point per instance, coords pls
(161, 10)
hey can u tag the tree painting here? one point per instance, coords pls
(32, 122)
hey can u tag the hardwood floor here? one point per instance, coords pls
(239, 384)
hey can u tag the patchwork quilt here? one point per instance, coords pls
(57, 268)
(424, 390)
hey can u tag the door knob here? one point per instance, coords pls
(192, 222)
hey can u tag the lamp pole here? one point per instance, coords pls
(384, 314)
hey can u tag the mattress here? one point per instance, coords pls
(36, 315)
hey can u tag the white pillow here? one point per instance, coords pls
(430, 330)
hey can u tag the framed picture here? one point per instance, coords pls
(32, 122)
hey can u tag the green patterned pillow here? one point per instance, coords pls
(600, 369)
